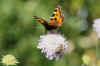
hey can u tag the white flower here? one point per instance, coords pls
(96, 26)
(53, 45)
(9, 60)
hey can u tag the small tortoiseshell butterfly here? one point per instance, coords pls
(55, 21)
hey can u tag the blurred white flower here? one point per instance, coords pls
(96, 26)
(9, 60)
(53, 45)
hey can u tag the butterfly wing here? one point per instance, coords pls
(57, 18)
(55, 21)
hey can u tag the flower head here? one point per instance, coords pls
(53, 45)
(86, 59)
(96, 26)
(89, 57)
(9, 60)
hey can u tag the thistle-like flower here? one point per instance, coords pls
(96, 26)
(9, 60)
(53, 45)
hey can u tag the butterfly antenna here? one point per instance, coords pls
(39, 19)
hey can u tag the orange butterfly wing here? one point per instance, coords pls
(57, 17)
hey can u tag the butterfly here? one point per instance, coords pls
(55, 21)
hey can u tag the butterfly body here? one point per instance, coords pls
(55, 20)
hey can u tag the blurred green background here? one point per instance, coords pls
(19, 33)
